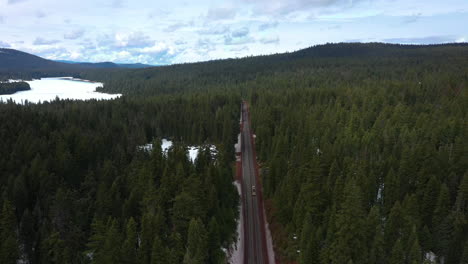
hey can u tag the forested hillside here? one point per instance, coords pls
(352, 62)
(15, 64)
(361, 146)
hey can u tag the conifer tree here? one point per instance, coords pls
(308, 246)
(393, 227)
(129, 247)
(414, 255)
(158, 252)
(146, 238)
(196, 252)
(111, 249)
(349, 243)
(397, 255)
(9, 250)
(391, 190)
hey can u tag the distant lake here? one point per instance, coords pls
(47, 89)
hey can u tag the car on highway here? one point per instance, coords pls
(254, 192)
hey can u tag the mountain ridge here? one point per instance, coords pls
(11, 59)
(108, 64)
(14, 60)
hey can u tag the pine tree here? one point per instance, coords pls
(374, 236)
(442, 207)
(27, 231)
(9, 250)
(393, 227)
(111, 249)
(414, 255)
(391, 192)
(177, 250)
(215, 253)
(426, 239)
(53, 250)
(349, 243)
(97, 238)
(429, 200)
(308, 245)
(158, 252)
(376, 253)
(129, 247)
(146, 238)
(464, 257)
(196, 252)
(397, 255)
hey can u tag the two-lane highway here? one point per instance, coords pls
(254, 239)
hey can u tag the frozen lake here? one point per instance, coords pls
(47, 89)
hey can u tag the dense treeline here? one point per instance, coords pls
(362, 154)
(13, 87)
(366, 161)
(327, 62)
(77, 189)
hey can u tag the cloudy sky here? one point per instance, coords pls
(173, 31)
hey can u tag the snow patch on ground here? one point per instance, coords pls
(379, 192)
(47, 89)
(269, 241)
(193, 151)
(236, 250)
(430, 256)
(12, 81)
(167, 144)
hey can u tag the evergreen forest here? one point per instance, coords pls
(362, 152)
(11, 88)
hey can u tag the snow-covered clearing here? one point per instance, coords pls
(47, 89)
(166, 144)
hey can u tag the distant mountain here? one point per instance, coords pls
(14, 61)
(108, 64)
(135, 65)
(11, 60)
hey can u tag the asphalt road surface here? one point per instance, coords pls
(254, 249)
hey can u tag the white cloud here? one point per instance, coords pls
(4, 44)
(268, 25)
(75, 55)
(413, 18)
(221, 13)
(217, 29)
(228, 40)
(123, 54)
(75, 34)
(183, 31)
(15, 1)
(40, 14)
(133, 40)
(160, 47)
(270, 40)
(41, 41)
(240, 33)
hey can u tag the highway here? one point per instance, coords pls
(254, 238)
